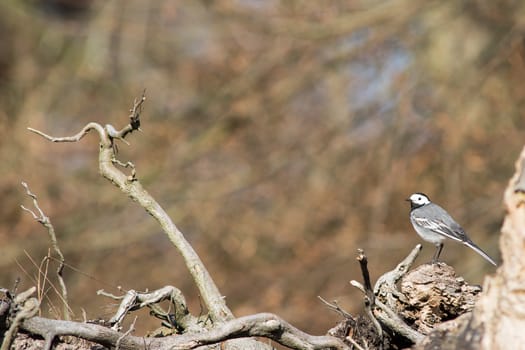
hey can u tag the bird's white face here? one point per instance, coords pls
(419, 199)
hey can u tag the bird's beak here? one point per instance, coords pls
(407, 199)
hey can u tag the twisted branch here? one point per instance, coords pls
(129, 185)
(258, 325)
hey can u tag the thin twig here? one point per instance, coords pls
(363, 263)
(354, 343)
(369, 299)
(73, 138)
(110, 295)
(133, 176)
(383, 313)
(136, 110)
(43, 219)
(334, 306)
(128, 332)
(134, 123)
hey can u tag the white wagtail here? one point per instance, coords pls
(434, 224)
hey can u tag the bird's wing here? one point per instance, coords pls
(439, 227)
(445, 225)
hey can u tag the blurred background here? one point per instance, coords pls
(279, 135)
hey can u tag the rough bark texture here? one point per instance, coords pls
(501, 309)
(436, 295)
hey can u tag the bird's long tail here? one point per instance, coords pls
(480, 252)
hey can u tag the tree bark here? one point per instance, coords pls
(501, 309)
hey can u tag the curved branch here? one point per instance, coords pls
(215, 303)
(130, 186)
(76, 137)
(259, 325)
(134, 300)
(49, 329)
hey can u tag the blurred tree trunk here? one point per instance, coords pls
(501, 309)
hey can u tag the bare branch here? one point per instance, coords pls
(133, 175)
(134, 300)
(129, 185)
(334, 306)
(73, 138)
(363, 263)
(261, 325)
(386, 287)
(258, 325)
(128, 332)
(369, 299)
(136, 110)
(134, 121)
(386, 284)
(46, 222)
(390, 319)
(110, 295)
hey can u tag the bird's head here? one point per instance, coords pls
(418, 200)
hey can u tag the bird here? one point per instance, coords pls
(434, 225)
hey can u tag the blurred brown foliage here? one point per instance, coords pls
(280, 136)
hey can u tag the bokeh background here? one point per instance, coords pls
(279, 135)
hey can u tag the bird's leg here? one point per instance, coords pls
(439, 247)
